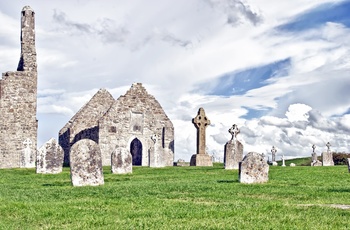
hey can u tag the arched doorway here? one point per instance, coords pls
(136, 152)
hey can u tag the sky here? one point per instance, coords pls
(277, 69)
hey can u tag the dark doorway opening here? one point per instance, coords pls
(136, 151)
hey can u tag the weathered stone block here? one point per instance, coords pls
(253, 169)
(201, 160)
(86, 164)
(50, 158)
(327, 159)
(121, 161)
(233, 154)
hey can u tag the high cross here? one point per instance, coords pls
(201, 122)
(234, 130)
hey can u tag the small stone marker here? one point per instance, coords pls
(121, 161)
(86, 164)
(283, 161)
(201, 122)
(50, 158)
(292, 165)
(327, 157)
(273, 153)
(274, 163)
(253, 169)
(233, 152)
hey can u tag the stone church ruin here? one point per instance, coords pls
(135, 122)
(18, 103)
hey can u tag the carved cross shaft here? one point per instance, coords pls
(234, 130)
(201, 122)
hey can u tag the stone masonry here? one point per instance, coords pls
(18, 102)
(126, 123)
(201, 122)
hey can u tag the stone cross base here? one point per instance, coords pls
(316, 163)
(201, 160)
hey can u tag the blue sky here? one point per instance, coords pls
(277, 69)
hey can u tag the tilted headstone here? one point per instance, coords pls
(121, 161)
(86, 164)
(327, 157)
(233, 152)
(253, 169)
(49, 158)
(201, 122)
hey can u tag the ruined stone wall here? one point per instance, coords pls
(84, 124)
(18, 103)
(139, 115)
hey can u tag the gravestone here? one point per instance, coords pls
(273, 153)
(274, 163)
(233, 152)
(121, 161)
(201, 122)
(283, 161)
(86, 164)
(316, 163)
(50, 158)
(27, 155)
(292, 165)
(154, 158)
(253, 169)
(182, 162)
(327, 157)
(348, 164)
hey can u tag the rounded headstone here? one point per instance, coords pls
(86, 164)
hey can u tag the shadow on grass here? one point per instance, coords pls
(339, 190)
(227, 181)
(58, 184)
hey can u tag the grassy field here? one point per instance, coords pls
(178, 198)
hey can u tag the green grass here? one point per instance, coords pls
(177, 198)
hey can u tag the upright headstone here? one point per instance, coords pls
(121, 161)
(233, 152)
(253, 169)
(283, 161)
(292, 165)
(28, 158)
(154, 158)
(49, 158)
(86, 164)
(201, 122)
(327, 157)
(273, 153)
(314, 160)
(348, 164)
